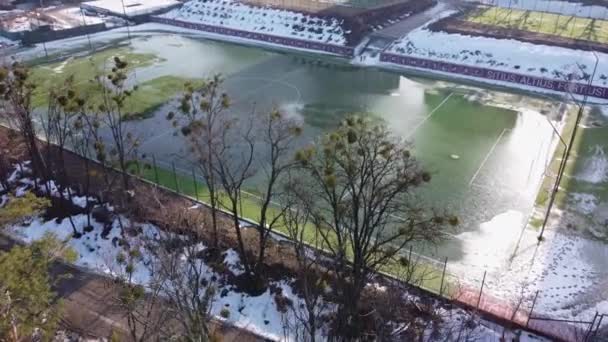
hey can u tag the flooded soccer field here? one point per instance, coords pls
(487, 151)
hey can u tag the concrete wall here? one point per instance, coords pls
(11, 35)
(39, 36)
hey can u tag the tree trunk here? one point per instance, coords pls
(239, 236)
(213, 200)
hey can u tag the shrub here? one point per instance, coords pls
(19, 209)
(225, 313)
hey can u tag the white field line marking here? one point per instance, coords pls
(429, 116)
(487, 156)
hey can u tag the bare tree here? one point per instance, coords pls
(362, 181)
(142, 306)
(201, 121)
(304, 323)
(16, 110)
(224, 147)
(82, 138)
(120, 149)
(189, 291)
(278, 136)
(177, 265)
(63, 106)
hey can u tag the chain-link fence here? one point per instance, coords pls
(470, 286)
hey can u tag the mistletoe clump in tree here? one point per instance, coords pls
(361, 183)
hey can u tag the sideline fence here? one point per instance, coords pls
(474, 291)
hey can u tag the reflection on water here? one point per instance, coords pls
(186, 57)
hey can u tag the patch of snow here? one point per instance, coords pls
(502, 54)
(21, 191)
(94, 252)
(5, 42)
(584, 203)
(508, 55)
(19, 24)
(52, 188)
(233, 261)
(595, 169)
(278, 22)
(563, 268)
(76, 16)
(129, 8)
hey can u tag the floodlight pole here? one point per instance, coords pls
(562, 165)
(85, 24)
(124, 11)
(46, 53)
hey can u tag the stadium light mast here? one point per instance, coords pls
(46, 53)
(562, 165)
(124, 11)
(84, 22)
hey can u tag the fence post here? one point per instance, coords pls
(175, 176)
(590, 327)
(155, 170)
(241, 203)
(445, 265)
(532, 308)
(409, 258)
(483, 281)
(599, 325)
(195, 185)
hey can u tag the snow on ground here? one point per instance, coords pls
(129, 7)
(563, 268)
(5, 42)
(241, 16)
(72, 17)
(584, 203)
(595, 169)
(504, 55)
(233, 261)
(52, 188)
(57, 18)
(21, 23)
(259, 314)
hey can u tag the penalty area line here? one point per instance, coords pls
(429, 116)
(487, 156)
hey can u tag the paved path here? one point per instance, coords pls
(88, 307)
(403, 27)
